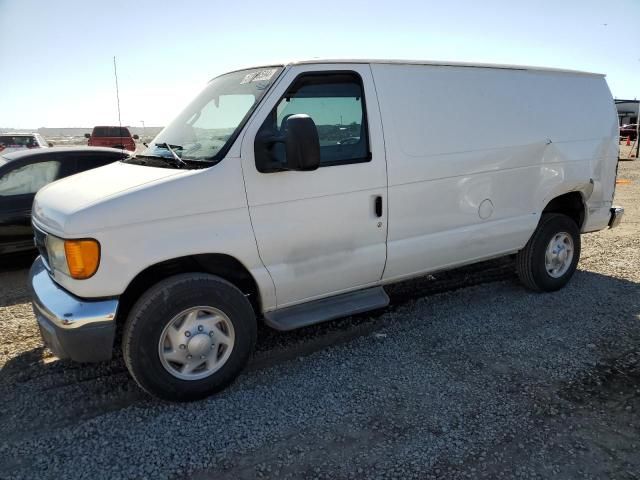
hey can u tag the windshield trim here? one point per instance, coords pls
(255, 67)
(217, 158)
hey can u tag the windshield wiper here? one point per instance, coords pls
(178, 160)
(138, 159)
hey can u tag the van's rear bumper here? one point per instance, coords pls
(616, 216)
(75, 328)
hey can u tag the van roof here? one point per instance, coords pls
(441, 63)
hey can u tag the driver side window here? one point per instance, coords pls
(335, 103)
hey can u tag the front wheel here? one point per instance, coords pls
(551, 255)
(188, 336)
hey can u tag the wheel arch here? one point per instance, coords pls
(572, 204)
(222, 265)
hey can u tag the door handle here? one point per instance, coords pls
(378, 206)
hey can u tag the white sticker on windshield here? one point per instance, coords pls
(248, 77)
(264, 75)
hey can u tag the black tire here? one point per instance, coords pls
(155, 309)
(530, 261)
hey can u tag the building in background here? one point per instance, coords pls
(627, 111)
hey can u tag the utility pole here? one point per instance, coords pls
(637, 129)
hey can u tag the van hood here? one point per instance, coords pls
(58, 201)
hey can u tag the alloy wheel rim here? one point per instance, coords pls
(559, 254)
(196, 343)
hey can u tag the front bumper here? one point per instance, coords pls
(616, 216)
(72, 327)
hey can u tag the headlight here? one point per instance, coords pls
(55, 252)
(77, 258)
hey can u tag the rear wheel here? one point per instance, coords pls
(188, 336)
(550, 257)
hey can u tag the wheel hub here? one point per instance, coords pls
(196, 343)
(199, 345)
(559, 254)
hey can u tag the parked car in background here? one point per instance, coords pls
(23, 173)
(114, 137)
(294, 193)
(630, 131)
(10, 142)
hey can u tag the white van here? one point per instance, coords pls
(293, 193)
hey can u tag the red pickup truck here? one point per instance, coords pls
(114, 137)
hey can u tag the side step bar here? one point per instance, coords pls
(317, 311)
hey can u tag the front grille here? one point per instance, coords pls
(40, 239)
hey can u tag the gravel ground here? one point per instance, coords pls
(628, 152)
(465, 375)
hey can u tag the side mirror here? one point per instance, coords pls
(87, 135)
(136, 137)
(301, 147)
(302, 143)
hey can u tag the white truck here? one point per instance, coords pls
(293, 193)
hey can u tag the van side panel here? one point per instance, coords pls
(475, 154)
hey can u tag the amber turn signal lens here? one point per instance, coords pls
(83, 257)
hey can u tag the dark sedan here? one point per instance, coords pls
(23, 173)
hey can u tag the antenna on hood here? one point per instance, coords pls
(115, 73)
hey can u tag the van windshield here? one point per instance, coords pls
(203, 130)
